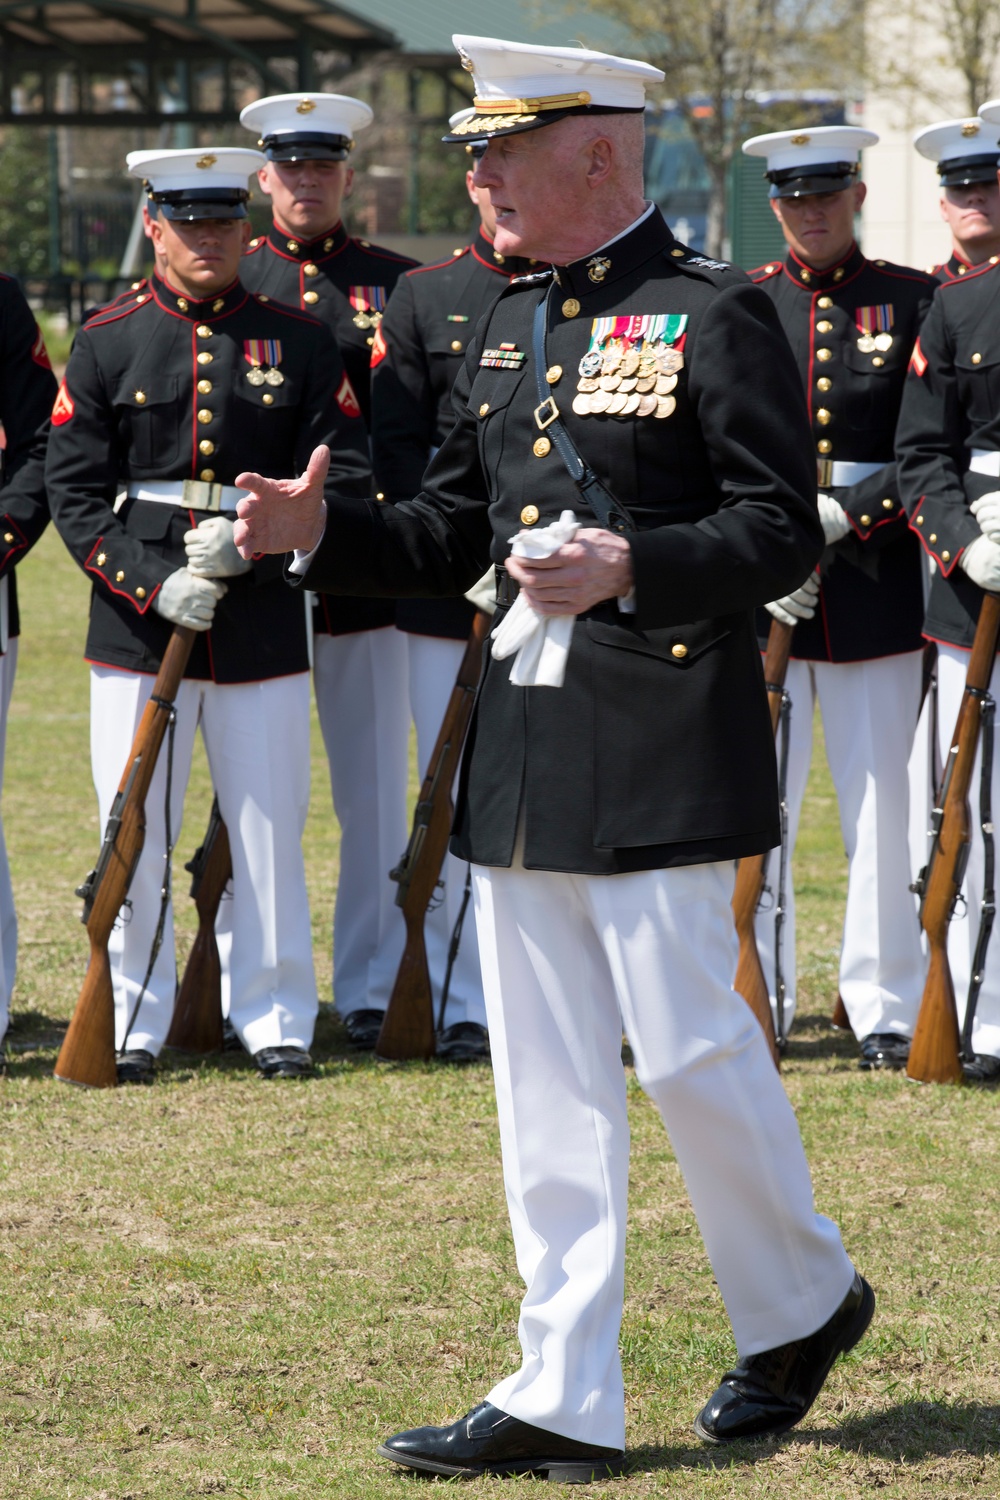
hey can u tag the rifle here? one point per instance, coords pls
(197, 1020)
(408, 1025)
(87, 1055)
(750, 981)
(934, 1052)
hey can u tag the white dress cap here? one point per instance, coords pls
(966, 151)
(990, 111)
(523, 87)
(197, 182)
(813, 146)
(301, 127)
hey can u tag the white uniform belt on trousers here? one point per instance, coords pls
(985, 461)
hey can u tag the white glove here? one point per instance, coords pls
(833, 519)
(211, 551)
(185, 599)
(541, 641)
(483, 593)
(981, 560)
(801, 605)
(987, 512)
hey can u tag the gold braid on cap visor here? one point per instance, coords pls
(530, 106)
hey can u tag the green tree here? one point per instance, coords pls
(24, 201)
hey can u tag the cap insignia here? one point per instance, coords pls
(305, 106)
(206, 161)
(800, 140)
(465, 60)
(971, 127)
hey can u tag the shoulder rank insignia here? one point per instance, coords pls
(711, 265)
(506, 357)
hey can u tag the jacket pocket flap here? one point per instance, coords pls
(679, 645)
(154, 390)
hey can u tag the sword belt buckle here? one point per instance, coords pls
(199, 494)
(824, 472)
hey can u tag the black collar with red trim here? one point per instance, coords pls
(198, 309)
(811, 280)
(292, 247)
(484, 250)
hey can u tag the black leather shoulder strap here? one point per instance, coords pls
(609, 511)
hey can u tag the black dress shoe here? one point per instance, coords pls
(230, 1037)
(136, 1067)
(466, 1041)
(283, 1062)
(363, 1027)
(768, 1393)
(981, 1068)
(883, 1049)
(488, 1441)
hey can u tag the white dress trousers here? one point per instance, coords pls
(8, 916)
(257, 739)
(363, 704)
(869, 713)
(566, 960)
(953, 664)
(433, 667)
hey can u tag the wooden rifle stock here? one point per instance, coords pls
(197, 1020)
(934, 1052)
(408, 1025)
(750, 981)
(87, 1055)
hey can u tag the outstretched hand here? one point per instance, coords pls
(282, 515)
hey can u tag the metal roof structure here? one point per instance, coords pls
(425, 27)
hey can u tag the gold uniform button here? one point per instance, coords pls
(679, 651)
(824, 445)
(139, 397)
(866, 520)
(456, 344)
(203, 331)
(8, 537)
(268, 399)
(570, 307)
(207, 475)
(119, 576)
(204, 415)
(484, 408)
(310, 297)
(218, 304)
(945, 556)
(206, 447)
(823, 355)
(920, 520)
(977, 359)
(878, 361)
(541, 446)
(887, 504)
(140, 299)
(823, 417)
(825, 302)
(824, 383)
(529, 515)
(136, 285)
(204, 358)
(880, 262)
(961, 270)
(677, 252)
(380, 495)
(553, 374)
(370, 340)
(204, 386)
(824, 326)
(932, 537)
(498, 257)
(102, 558)
(262, 298)
(183, 304)
(309, 269)
(140, 593)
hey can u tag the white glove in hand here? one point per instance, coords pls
(540, 641)
(184, 599)
(987, 512)
(801, 605)
(483, 594)
(211, 551)
(833, 519)
(981, 560)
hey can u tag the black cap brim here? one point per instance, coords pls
(307, 146)
(191, 204)
(809, 182)
(964, 171)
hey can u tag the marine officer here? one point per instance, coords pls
(603, 815)
(418, 352)
(307, 259)
(857, 646)
(164, 395)
(948, 446)
(966, 153)
(27, 390)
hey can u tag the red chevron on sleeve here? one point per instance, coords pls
(918, 359)
(379, 348)
(64, 408)
(347, 400)
(39, 353)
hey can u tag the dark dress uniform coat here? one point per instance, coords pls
(156, 389)
(318, 276)
(27, 391)
(418, 352)
(871, 594)
(955, 267)
(951, 406)
(657, 750)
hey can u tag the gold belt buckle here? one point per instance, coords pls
(198, 494)
(551, 411)
(824, 472)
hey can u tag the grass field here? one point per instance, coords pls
(221, 1286)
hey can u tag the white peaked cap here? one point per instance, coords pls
(523, 87)
(812, 146)
(951, 140)
(283, 121)
(226, 167)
